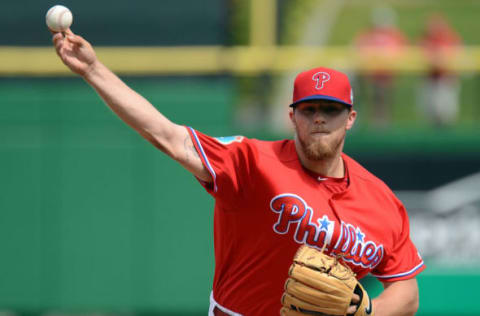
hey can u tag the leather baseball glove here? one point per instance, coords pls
(320, 285)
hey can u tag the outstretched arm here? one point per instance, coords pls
(399, 298)
(172, 139)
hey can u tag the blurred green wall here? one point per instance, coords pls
(442, 290)
(92, 216)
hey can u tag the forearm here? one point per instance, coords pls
(398, 299)
(174, 140)
(131, 107)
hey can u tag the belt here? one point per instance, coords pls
(218, 312)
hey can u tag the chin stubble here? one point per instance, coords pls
(321, 150)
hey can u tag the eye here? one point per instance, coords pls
(332, 110)
(308, 110)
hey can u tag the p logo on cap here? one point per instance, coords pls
(322, 84)
(320, 77)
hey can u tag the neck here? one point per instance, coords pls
(329, 167)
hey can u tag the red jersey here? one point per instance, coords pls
(267, 205)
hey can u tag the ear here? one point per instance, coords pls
(352, 115)
(291, 115)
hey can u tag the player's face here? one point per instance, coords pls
(321, 126)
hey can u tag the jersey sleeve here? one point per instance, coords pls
(228, 160)
(402, 261)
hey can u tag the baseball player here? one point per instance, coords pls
(273, 196)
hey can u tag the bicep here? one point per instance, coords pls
(398, 298)
(175, 141)
(410, 283)
(185, 153)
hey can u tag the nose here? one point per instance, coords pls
(319, 117)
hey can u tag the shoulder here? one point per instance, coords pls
(358, 172)
(244, 150)
(239, 141)
(364, 179)
(281, 150)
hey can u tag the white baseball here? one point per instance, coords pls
(59, 18)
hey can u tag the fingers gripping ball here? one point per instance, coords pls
(321, 285)
(59, 18)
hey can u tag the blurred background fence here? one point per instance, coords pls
(95, 220)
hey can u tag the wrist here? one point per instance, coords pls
(93, 70)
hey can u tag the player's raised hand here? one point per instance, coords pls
(74, 51)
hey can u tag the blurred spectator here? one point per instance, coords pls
(378, 46)
(440, 91)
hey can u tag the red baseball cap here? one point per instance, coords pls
(322, 84)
